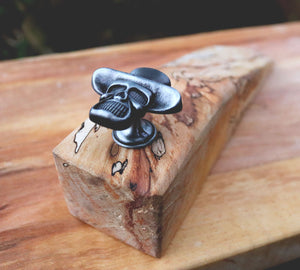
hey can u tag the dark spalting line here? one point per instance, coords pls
(133, 186)
(200, 67)
(114, 149)
(214, 80)
(124, 165)
(193, 66)
(140, 173)
(166, 123)
(236, 82)
(193, 91)
(182, 74)
(202, 82)
(96, 127)
(211, 89)
(81, 127)
(188, 115)
(122, 168)
(150, 171)
(3, 206)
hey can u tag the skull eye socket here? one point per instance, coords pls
(138, 96)
(116, 87)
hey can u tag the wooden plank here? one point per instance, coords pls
(35, 226)
(145, 203)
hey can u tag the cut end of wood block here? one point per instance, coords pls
(141, 196)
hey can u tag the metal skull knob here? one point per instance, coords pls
(125, 98)
(121, 104)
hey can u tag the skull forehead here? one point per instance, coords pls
(125, 86)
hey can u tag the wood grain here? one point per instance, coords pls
(141, 196)
(247, 210)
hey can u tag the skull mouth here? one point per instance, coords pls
(118, 109)
(112, 113)
(121, 103)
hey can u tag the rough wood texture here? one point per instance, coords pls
(141, 196)
(247, 213)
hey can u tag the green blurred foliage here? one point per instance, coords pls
(33, 27)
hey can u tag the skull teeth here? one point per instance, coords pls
(116, 108)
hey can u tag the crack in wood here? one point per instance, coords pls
(82, 133)
(118, 167)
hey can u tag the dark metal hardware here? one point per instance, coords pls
(126, 97)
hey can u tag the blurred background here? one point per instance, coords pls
(34, 27)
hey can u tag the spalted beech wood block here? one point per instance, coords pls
(141, 196)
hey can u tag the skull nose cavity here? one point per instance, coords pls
(122, 95)
(106, 96)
